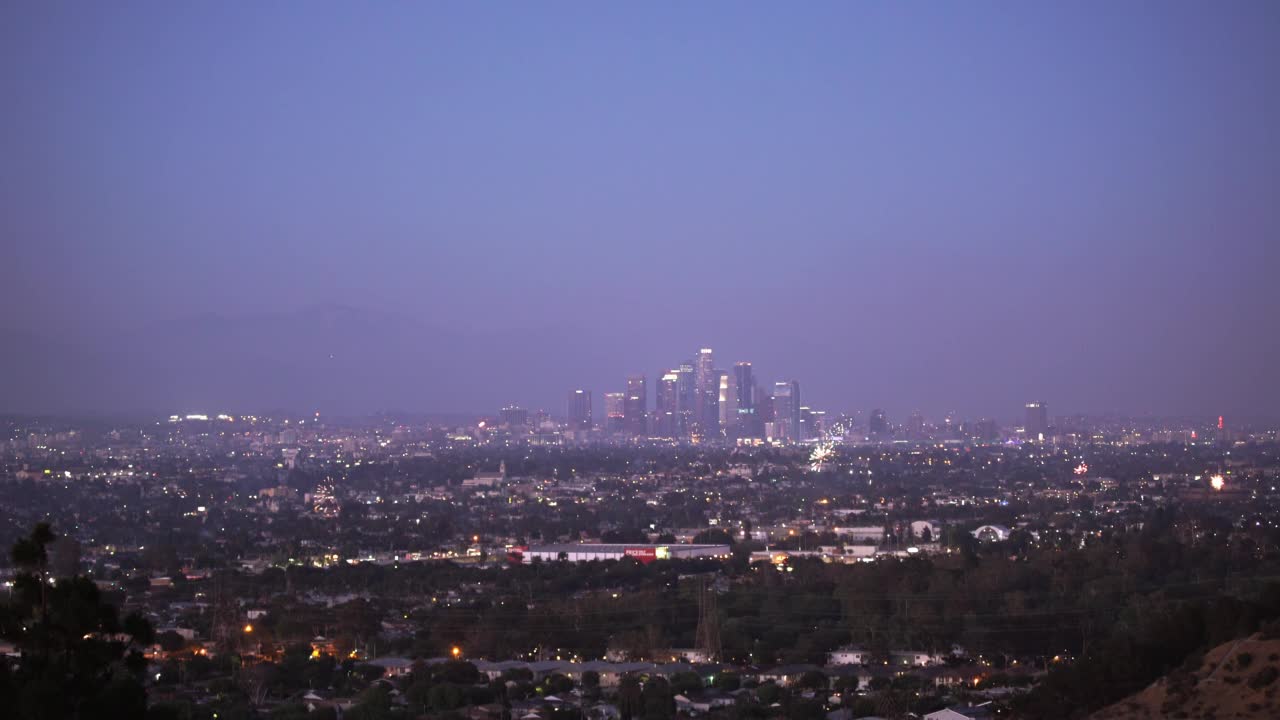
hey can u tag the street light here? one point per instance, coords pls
(248, 629)
(456, 652)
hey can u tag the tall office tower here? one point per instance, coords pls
(667, 401)
(615, 404)
(707, 397)
(636, 408)
(728, 403)
(687, 394)
(915, 425)
(746, 384)
(808, 424)
(786, 410)
(984, 430)
(764, 405)
(878, 423)
(816, 423)
(1037, 420)
(579, 410)
(514, 416)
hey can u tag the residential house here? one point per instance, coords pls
(787, 675)
(849, 656)
(975, 712)
(698, 703)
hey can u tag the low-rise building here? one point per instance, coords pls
(586, 552)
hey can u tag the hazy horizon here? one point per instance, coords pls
(213, 354)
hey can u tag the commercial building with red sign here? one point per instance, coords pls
(586, 552)
(645, 555)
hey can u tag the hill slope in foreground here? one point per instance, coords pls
(1239, 679)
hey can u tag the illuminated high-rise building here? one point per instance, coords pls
(707, 397)
(687, 395)
(786, 410)
(811, 423)
(578, 410)
(818, 423)
(514, 416)
(615, 412)
(636, 406)
(667, 402)
(728, 403)
(748, 418)
(1037, 425)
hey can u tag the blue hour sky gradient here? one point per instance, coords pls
(939, 206)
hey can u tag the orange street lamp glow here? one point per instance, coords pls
(456, 651)
(248, 628)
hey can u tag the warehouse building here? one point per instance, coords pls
(586, 552)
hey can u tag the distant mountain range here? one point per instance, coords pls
(336, 359)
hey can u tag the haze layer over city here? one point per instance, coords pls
(551, 361)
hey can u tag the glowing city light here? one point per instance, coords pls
(1217, 482)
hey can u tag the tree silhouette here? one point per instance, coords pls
(78, 658)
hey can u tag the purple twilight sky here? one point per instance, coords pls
(451, 206)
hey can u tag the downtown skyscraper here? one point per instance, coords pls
(615, 417)
(1037, 425)
(578, 409)
(707, 394)
(667, 403)
(749, 422)
(786, 410)
(728, 403)
(687, 396)
(636, 405)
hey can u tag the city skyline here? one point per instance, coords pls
(527, 392)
